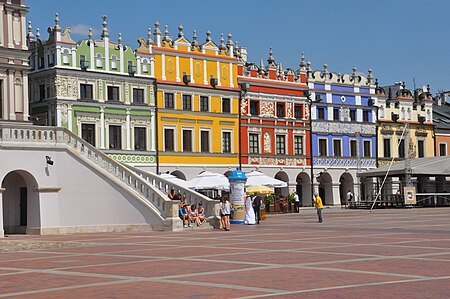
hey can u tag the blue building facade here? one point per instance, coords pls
(343, 126)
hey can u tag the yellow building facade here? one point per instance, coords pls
(405, 124)
(198, 104)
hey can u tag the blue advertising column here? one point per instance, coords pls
(237, 180)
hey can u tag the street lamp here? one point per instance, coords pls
(310, 102)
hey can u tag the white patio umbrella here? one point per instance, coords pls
(258, 178)
(171, 178)
(209, 181)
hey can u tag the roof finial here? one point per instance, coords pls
(38, 33)
(369, 76)
(208, 36)
(222, 43)
(194, 42)
(149, 36)
(166, 34)
(271, 60)
(57, 27)
(325, 70)
(120, 39)
(261, 64)
(302, 62)
(30, 32)
(90, 34)
(157, 31)
(230, 41)
(105, 32)
(180, 30)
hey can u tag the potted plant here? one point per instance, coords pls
(270, 203)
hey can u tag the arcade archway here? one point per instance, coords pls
(303, 189)
(326, 188)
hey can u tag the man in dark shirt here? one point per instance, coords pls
(257, 206)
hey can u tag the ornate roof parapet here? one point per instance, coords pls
(308, 70)
(149, 37)
(378, 89)
(57, 27)
(167, 38)
(237, 50)
(105, 33)
(180, 31)
(355, 78)
(222, 46)
(302, 64)
(369, 77)
(271, 60)
(30, 35)
(208, 36)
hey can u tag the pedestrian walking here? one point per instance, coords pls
(319, 206)
(256, 201)
(349, 198)
(296, 202)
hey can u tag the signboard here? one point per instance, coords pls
(410, 195)
(237, 194)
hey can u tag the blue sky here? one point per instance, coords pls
(401, 40)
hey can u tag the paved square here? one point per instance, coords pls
(401, 253)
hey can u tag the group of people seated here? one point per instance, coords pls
(191, 214)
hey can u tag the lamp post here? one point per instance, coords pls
(310, 102)
(244, 88)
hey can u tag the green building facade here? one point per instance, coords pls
(103, 91)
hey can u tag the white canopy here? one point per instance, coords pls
(209, 181)
(258, 178)
(434, 166)
(174, 179)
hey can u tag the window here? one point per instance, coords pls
(41, 92)
(353, 148)
(337, 151)
(145, 66)
(204, 105)
(335, 113)
(138, 95)
(401, 148)
(187, 140)
(387, 148)
(113, 93)
(280, 110)
(320, 113)
(169, 102)
(352, 114)
(253, 144)
(65, 56)
(88, 133)
(366, 116)
(442, 148)
(114, 62)
(298, 112)
(421, 148)
(140, 140)
(323, 151)
(169, 140)
(98, 60)
(254, 108)
(281, 144)
(298, 145)
(204, 141)
(187, 102)
(226, 142)
(226, 105)
(367, 151)
(86, 91)
(115, 137)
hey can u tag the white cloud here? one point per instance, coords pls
(83, 29)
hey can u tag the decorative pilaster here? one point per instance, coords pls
(2, 231)
(58, 116)
(69, 117)
(153, 131)
(102, 127)
(128, 128)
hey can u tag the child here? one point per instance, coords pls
(183, 214)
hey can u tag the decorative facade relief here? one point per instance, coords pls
(254, 129)
(64, 116)
(342, 162)
(307, 112)
(244, 105)
(345, 113)
(66, 87)
(267, 142)
(267, 109)
(343, 128)
(289, 110)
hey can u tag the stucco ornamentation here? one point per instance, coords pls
(289, 110)
(341, 162)
(343, 128)
(267, 142)
(267, 109)
(66, 87)
(244, 105)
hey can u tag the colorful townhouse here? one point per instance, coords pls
(275, 124)
(99, 89)
(441, 120)
(343, 131)
(405, 129)
(198, 103)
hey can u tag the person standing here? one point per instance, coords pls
(319, 206)
(249, 217)
(349, 198)
(296, 203)
(257, 206)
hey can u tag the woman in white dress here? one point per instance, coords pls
(249, 212)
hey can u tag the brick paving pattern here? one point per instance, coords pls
(402, 253)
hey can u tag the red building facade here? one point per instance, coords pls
(275, 122)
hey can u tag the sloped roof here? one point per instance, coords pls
(441, 116)
(434, 166)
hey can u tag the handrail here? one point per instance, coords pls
(192, 197)
(24, 133)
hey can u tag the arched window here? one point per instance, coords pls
(409, 113)
(114, 62)
(65, 57)
(145, 66)
(402, 113)
(99, 60)
(381, 111)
